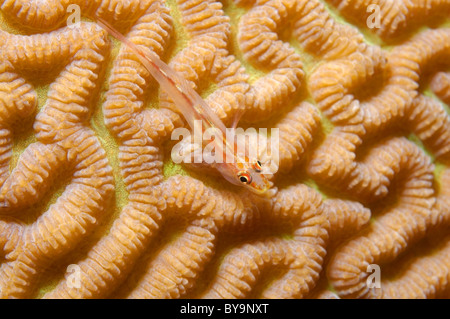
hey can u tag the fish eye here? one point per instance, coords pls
(244, 177)
(257, 166)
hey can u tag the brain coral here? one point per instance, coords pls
(92, 206)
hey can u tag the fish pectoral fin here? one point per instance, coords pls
(237, 117)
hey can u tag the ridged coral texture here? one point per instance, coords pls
(92, 205)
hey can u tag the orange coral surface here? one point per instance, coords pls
(91, 205)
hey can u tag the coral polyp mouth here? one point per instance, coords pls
(92, 206)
